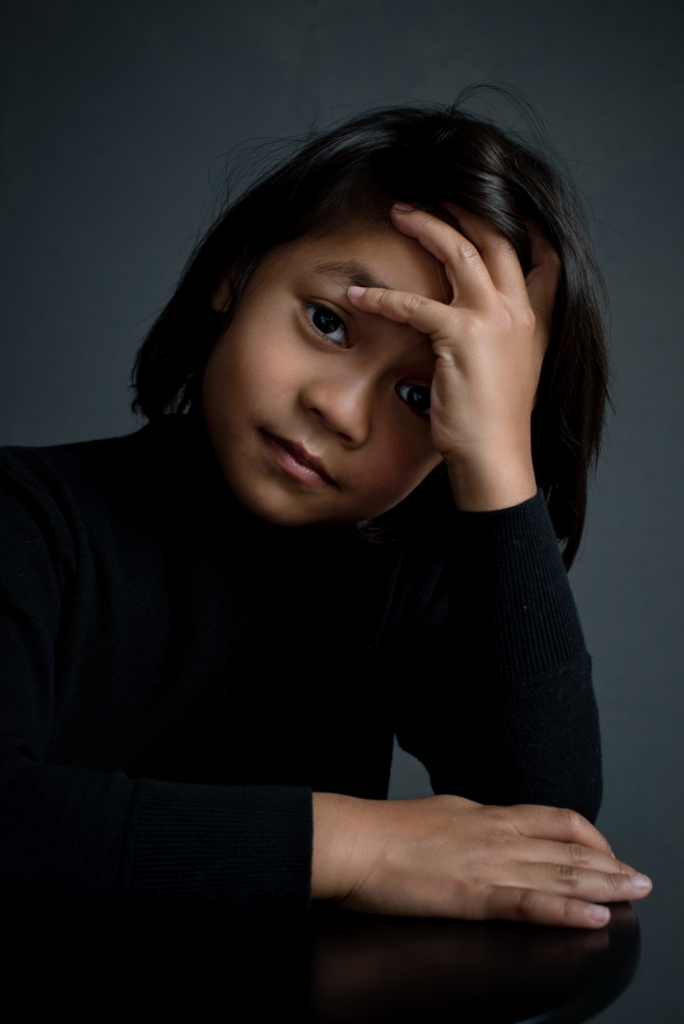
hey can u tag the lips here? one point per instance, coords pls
(296, 461)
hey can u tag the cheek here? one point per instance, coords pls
(400, 460)
(247, 376)
(273, 374)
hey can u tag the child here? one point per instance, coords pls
(373, 403)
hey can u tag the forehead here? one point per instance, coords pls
(369, 256)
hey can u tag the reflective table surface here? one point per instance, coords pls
(325, 967)
(383, 969)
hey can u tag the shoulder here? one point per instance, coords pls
(54, 489)
(51, 462)
(77, 466)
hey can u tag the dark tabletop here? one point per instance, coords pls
(384, 969)
(325, 967)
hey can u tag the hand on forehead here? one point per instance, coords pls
(358, 253)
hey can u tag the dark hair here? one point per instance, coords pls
(420, 155)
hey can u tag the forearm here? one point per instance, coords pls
(511, 610)
(507, 712)
(538, 743)
(77, 834)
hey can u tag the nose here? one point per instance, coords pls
(342, 405)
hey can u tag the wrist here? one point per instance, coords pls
(336, 846)
(488, 483)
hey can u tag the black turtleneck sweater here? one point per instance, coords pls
(177, 675)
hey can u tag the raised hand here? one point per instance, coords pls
(445, 856)
(490, 336)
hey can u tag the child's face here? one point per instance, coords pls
(300, 373)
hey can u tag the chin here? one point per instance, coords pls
(276, 503)
(279, 509)
(283, 511)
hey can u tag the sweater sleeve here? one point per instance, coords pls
(506, 711)
(71, 832)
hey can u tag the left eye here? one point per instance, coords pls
(327, 322)
(416, 397)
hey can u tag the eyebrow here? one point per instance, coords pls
(350, 272)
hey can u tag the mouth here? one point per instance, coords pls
(296, 461)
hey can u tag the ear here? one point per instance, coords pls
(222, 294)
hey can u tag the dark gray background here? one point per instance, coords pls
(116, 121)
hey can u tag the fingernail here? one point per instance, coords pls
(640, 881)
(355, 291)
(600, 914)
(403, 207)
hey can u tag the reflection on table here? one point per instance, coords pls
(328, 966)
(367, 969)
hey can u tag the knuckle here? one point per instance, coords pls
(525, 902)
(505, 321)
(444, 798)
(499, 829)
(615, 882)
(467, 251)
(570, 820)
(577, 853)
(567, 875)
(528, 320)
(497, 815)
(412, 302)
(448, 803)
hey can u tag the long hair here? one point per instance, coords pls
(420, 155)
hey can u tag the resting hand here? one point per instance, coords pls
(489, 340)
(445, 856)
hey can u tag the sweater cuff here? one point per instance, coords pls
(220, 846)
(515, 610)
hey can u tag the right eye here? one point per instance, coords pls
(416, 397)
(327, 322)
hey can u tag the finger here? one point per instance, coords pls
(535, 907)
(560, 824)
(498, 253)
(581, 883)
(425, 315)
(465, 268)
(572, 853)
(543, 277)
(496, 250)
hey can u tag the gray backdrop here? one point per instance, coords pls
(116, 120)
